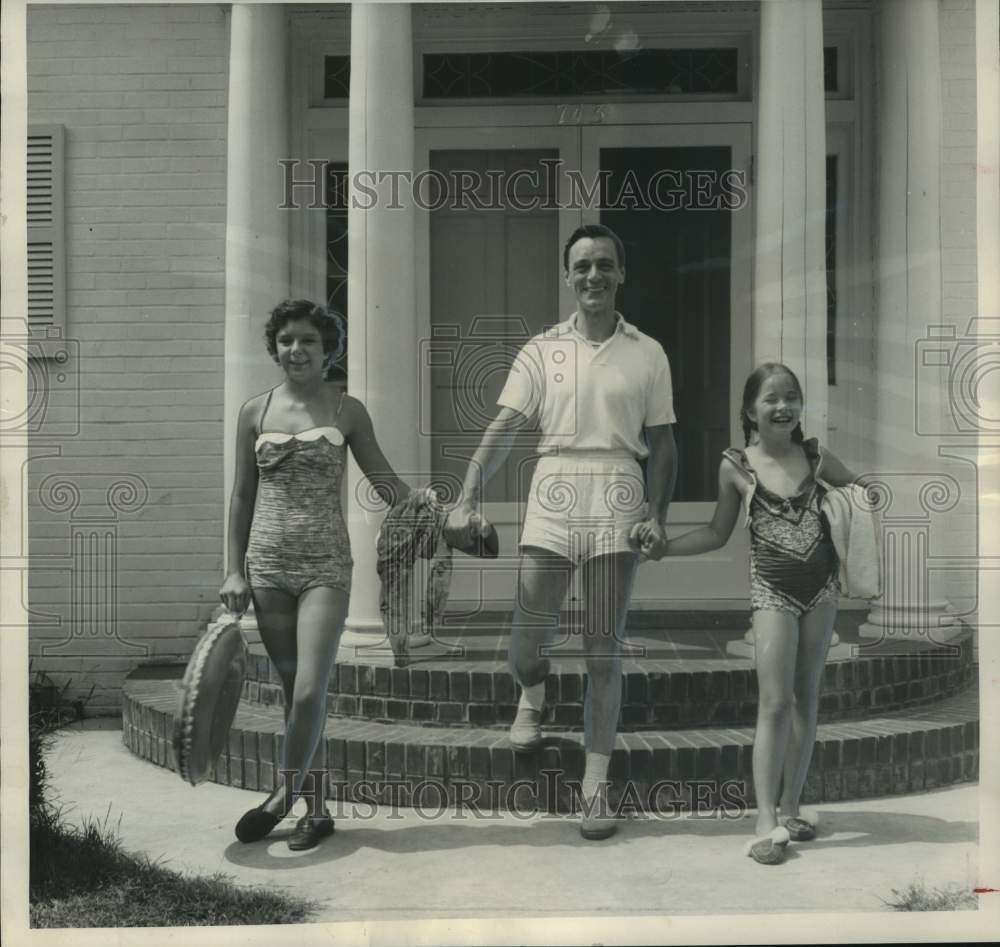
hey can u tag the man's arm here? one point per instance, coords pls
(661, 476)
(498, 439)
(661, 470)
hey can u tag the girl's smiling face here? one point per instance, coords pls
(300, 350)
(777, 408)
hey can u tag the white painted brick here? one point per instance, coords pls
(199, 271)
(199, 99)
(145, 132)
(88, 132)
(41, 66)
(141, 66)
(207, 81)
(196, 131)
(167, 82)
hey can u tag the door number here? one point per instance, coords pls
(581, 114)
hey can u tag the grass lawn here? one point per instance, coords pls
(82, 878)
(918, 897)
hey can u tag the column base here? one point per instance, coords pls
(364, 637)
(931, 622)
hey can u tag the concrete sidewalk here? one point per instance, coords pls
(390, 866)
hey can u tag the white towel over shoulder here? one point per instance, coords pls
(856, 535)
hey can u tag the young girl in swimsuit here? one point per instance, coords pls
(793, 589)
(288, 543)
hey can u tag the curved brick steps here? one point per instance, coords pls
(895, 752)
(696, 685)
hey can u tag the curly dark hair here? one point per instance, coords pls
(328, 322)
(752, 388)
(594, 231)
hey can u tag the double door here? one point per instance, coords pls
(490, 273)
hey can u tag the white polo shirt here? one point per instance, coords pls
(591, 398)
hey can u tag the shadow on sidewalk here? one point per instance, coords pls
(864, 829)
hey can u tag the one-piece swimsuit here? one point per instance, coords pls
(793, 562)
(298, 538)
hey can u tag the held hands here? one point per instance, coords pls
(428, 496)
(235, 593)
(650, 539)
(464, 524)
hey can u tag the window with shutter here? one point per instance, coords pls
(46, 229)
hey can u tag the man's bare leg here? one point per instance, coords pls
(607, 585)
(543, 579)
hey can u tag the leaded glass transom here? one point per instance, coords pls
(587, 72)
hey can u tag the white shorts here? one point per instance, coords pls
(584, 504)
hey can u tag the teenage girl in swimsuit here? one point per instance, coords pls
(288, 543)
(793, 589)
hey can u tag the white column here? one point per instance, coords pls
(382, 333)
(257, 232)
(909, 302)
(790, 168)
(789, 316)
(988, 275)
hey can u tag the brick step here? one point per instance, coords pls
(890, 753)
(657, 692)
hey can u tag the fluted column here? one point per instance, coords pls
(257, 234)
(789, 318)
(911, 382)
(382, 334)
(789, 314)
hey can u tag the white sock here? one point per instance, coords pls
(595, 773)
(533, 697)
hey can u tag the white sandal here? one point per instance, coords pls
(769, 849)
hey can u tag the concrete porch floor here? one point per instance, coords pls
(384, 866)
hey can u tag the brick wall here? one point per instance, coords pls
(141, 92)
(958, 245)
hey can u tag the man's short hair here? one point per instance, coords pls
(594, 231)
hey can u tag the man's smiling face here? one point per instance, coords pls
(594, 274)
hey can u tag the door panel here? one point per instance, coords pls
(677, 290)
(494, 284)
(687, 285)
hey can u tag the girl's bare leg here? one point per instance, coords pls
(815, 631)
(321, 615)
(776, 639)
(276, 613)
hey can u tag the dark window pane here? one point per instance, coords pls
(336, 250)
(336, 77)
(830, 69)
(587, 72)
(831, 268)
(679, 266)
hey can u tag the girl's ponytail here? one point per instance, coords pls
(748, 426)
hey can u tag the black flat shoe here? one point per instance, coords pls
(309, 831)
(258, 822)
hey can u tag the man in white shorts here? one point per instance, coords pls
(600, 392)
